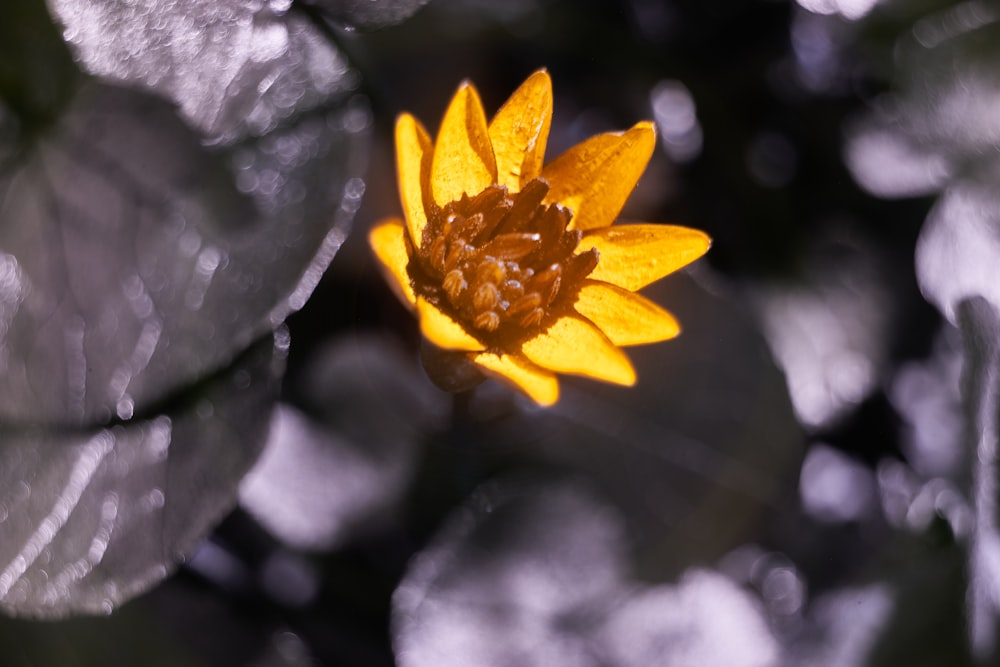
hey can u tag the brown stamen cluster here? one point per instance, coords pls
(501, 263)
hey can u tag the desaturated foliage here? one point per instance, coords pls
(144, 254)
(148, 238)
(934, 131)
(806, 475)
(321, 482)
(534, 573)
(367, 14)
(90, 519)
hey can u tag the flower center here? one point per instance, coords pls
(501, 264)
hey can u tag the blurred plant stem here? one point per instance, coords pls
(979, 323)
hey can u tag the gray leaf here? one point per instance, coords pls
(705, 619)
(89, 520)
(829, 328)
(233, 68)
(529, 573)
(888, 163)
(959, 247)
(134, 260)
(369, 13)
(671, 451)
(339, 469)
(521, 575)
(979, 322)
(844, 626)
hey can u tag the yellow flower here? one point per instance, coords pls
(513, 265)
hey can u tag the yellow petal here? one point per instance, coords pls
(632, 256)
(520, 130)
(574, 345)
(443, 331)
(594, 184)
(540, 385)
(463, 155)
(592, 150)
(624, 317)
(388, 241)
(413, 168)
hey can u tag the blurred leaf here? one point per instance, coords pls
(955, 485)
(696, 453)
(947, 80)
(520, 576)
(164, 628)
(233, 68)
(131, 636)
(959, 246)
(368, 389)
(135, 259)
(889, 163)
(36, 71)
(843, 627)
(906, 610)
(835, 488)
(979, 321)
(89, 520)
(917, 622)
(937, 129)
(140, 252)
(340, 471)
(829, 330)
(533, 573)
(935, 120)
(369, 13)
(705, 620)
(313, 489)
(926, 395)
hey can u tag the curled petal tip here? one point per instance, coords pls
(647, 125)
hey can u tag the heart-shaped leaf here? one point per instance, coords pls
(137, 258)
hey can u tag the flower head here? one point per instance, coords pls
(513, 266)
